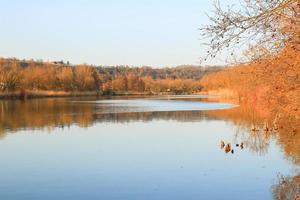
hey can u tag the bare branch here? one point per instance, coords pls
(271, 24)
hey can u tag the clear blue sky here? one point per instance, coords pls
(110, 32)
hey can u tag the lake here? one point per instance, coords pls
(131, 148)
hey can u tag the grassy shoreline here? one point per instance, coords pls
(42, 94)
(29, 94)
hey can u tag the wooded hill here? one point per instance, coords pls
(16, 75)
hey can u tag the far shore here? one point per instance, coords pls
(30, 94)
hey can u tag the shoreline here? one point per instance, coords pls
(23, 95)
(30, 94)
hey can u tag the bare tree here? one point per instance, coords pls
(10, 77)
(268, 25)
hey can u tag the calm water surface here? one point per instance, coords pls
(134, 148)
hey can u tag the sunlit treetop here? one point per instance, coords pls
(263, 26)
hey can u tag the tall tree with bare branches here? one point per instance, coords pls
(268, 25)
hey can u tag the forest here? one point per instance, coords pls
(25, 75)
(270, 77)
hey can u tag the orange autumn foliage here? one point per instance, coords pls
(273, 82)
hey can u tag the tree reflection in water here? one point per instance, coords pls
(253, 129)
(287, 188)
(257, 130)
(51, 113)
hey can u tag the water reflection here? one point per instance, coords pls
(287, 188)
(248, 133)
(254, 129)
(257, 130)
(50, 113)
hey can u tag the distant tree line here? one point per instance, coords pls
(59, 76)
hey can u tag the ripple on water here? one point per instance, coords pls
(156, 105)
